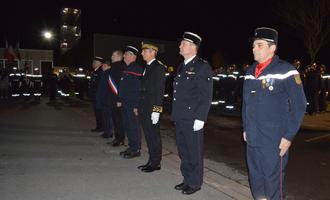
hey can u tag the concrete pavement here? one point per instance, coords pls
(318, 122)
(47, 152)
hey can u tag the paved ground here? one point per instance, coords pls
(310, 153)
(47, 152)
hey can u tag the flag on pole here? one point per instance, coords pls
(9, 53)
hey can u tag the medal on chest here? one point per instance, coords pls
(271, 88)
(263, 83)
(268, 83)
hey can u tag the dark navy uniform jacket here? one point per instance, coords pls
(192, 91)
(103, 90)
(153, 87)
(52, 81)
(26, 83)
(273, 104)
(37, 83)
(95, 78)
(115, 73)
(15, 79)
(129, 87)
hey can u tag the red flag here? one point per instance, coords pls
(9, 53)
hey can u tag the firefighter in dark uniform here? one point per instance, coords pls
(64, 83)
(80, 83)
(15, 83)
(313, 88)
(115, 74)
(37, 84)
(219, 84)
(230, 83)
(94, 83)
(129, 90)
(52, 86)
(274, 104)
(26, 87)
(192, 96)
(103, 101)
(151, 105)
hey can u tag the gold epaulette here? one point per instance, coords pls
(160, 62)
(158, 109)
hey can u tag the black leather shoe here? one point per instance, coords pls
(97, 130)
(122, 153)
(189, 190)
(132, 154)
(117, 143)
(180, 186)
(143, 166)
(151, 168)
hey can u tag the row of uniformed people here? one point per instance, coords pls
(273, 100)
(228, 86)
(139, 95)
(127, 93)
(17, 83)
(316, 84)
(65, 85)
(21, 84)
(76, 83)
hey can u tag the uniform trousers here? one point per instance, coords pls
(152, 135)
(266, 172)
(107, 121)
(190, 148)
(131, 127)
(98, 116)
(118, 123)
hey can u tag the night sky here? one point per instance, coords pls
(225, 26)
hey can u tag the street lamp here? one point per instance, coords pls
(47, 35)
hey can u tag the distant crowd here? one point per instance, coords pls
(228, 83)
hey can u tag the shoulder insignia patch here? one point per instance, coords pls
(297, 79)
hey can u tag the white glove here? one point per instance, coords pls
(155, 117)
(198, 125)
